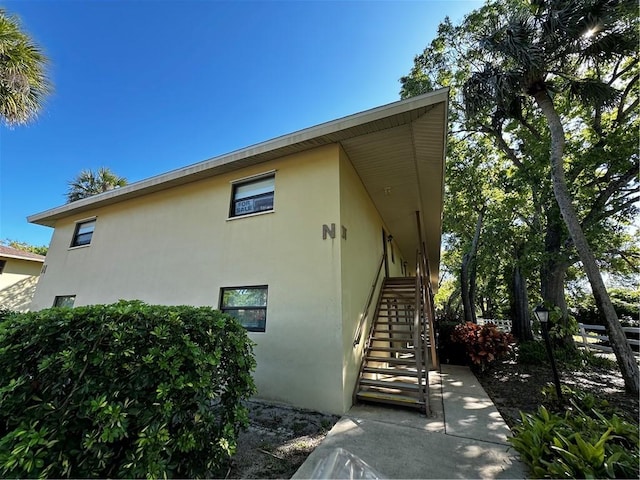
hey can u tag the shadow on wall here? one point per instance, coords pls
(18, 296)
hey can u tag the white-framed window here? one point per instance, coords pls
(253, 195)
(83, 233)
(247, 304)
(64, 301)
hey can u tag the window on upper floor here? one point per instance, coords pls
(252, 196)
(83, 233)
(247, 304)
(64, 301)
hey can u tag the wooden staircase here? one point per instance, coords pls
(393, 370)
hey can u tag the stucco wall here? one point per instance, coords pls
(18, 282)
(178, 247)
(361, 254)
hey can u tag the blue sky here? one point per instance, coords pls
(144, 87)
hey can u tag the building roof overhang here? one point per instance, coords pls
(398, 151)
(10, 252)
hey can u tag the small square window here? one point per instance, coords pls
(247, 304)
(3, 263)
(83, 233)
(64, 301)
(252, 196)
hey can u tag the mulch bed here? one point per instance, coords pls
(514, 387)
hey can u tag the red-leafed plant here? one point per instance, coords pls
(483, 343)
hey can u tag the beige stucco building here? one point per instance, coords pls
(19, 271)
(287, 235)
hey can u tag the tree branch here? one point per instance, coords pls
(597, 206)
(622, 113)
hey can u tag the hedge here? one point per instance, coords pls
(125, 390)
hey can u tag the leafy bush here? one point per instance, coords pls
(123, 390)
(5, 312)
(532, 353)
(483, 343)
(568, 358)
(588, 441)
(448, 351)
(626, 303)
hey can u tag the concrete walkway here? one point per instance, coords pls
(464, 438)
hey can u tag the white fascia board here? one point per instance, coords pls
(20, 257)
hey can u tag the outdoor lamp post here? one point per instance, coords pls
(542, 314)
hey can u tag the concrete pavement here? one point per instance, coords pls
(464, 438)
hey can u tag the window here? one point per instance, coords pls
(64, 301)
(247, 304)
(3, 263)
(83, 233)
(252, 196)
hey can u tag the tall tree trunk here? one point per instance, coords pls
(520, 321)
(553, 271)
(619, 344)
(468, 273)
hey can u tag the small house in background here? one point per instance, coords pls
(296, 237)
(19, 271)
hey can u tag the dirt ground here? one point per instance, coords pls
(278, 440)
(514, 387)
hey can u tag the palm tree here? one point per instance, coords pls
(548, 46)
(89, 183)
(23, 78)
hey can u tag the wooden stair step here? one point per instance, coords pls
(388, 327)
(396, 336)
(389, 398)
(390, 349)
(383, 335)
(384, 322)
(399, 361)
(400, 372)
(389, 385)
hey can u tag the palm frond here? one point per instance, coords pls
(23, 77)
(614, 44)
(594, 92)
(88, 183)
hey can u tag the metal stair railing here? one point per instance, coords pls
(419, 338)
(365, 312)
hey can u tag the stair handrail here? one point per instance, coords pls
(418, 334)
(429, 310)
(365, 312)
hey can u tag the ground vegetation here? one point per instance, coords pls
(126, 390)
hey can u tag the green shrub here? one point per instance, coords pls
(5, 312)
(123, 390)
(483, 343)
(448, 351)
(588, 441)
(626, 303)
(532, 353)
